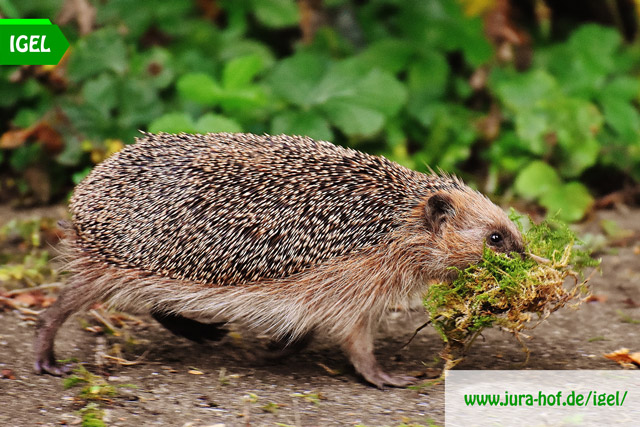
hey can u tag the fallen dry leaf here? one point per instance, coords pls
(623, 357)
(40, 131)
(195, 372)
(631, 303)
(329, 370)
(7, 374)
(14, 138)
(29, 299)
(596, 298)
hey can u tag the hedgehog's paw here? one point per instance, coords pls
(379, 378)
(359, 348)
(48, 365)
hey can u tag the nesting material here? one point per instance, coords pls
(512, 292)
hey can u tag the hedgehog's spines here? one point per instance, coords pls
(190, 206)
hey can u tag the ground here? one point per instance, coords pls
(181, 383)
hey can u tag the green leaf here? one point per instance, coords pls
(623, 118)
(582, 64)
(524, 91)
(382, 92)
(531, 128)
(296, 78)
(239, 72)
(623, 87)
(388, 54)
(167, 16)
(72, 152)
(535, 180)
(77, 177)
(357, 100)
(172, 123)
(570, 201)
(101, 93)
(576, 123)
(138, 104)
(200, 88)
(468, 35)
(24, 156)
(102, 50)
(301, 123)
(156, 66)
(339, 81)
(8, 9)
(580, 156)
(507, 153)
(596, 42)
(353, 119)
(26, 117)
(442, 25)
(216, 123)
(428, 76)
(277, 13)
(243, 47)
(243, 100)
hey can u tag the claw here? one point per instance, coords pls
(379, 378)
(50, 366)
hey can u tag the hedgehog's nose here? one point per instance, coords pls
(518, 248)
(520, 251)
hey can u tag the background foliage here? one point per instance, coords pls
(421, 82)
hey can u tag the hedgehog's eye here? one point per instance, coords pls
(495, 239)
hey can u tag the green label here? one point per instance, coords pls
(31, 42)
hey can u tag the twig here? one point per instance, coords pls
(24, 310)
(124, 362)
(104, 321)
(34, 288)
(415, 333)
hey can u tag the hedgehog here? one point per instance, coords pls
(284, 234)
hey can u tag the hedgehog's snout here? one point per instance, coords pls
(506, 241)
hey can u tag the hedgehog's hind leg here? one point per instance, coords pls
(189, 328)
(73, 297)
(358, 345)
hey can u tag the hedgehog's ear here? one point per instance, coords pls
(438, 210)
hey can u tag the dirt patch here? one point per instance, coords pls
(239, 388)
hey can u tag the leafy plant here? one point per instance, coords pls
(574, 109)
(398, 80)
(26, 261)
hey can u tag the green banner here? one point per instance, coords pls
(31, 42)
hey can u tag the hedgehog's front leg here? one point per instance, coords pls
(358, 345)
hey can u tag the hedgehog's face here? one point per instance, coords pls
(463, 222)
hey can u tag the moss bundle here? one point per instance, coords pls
(509, 291)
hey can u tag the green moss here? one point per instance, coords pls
(506, 290)
(92, 416)
(94, 387)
